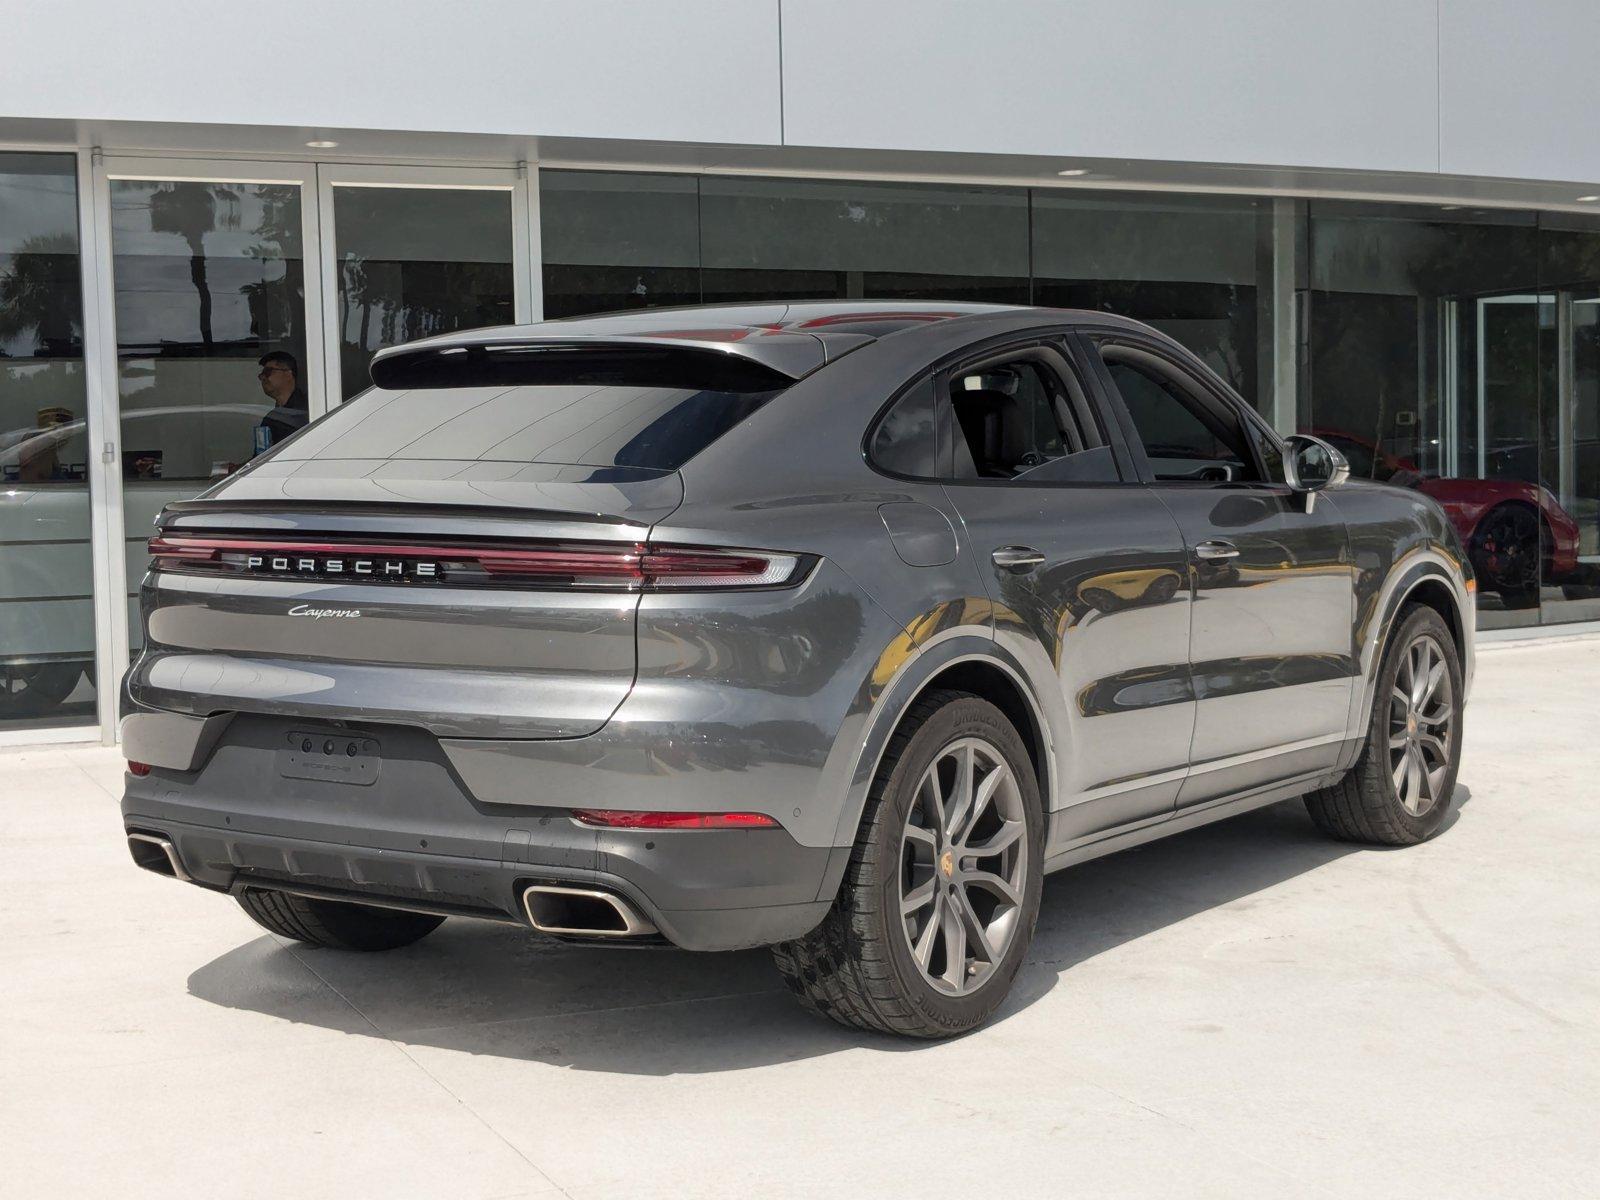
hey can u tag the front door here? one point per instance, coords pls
(1272, 647)
(1088, 573)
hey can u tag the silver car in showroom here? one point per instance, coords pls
(828, 626)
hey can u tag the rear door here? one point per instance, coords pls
(1087, 570)
(1272, 641)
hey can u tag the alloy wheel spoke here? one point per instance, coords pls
(1428, 692)
(932, 798)
(977, 935)
(980, 803)
(1428, 742)
(999, 885)
(955, 945)
(961, 799)
(1437, 717)
(925, 838)
(1001, 840)
(1422, 666)
(1413, 797)
(922, 949)
(920, 896)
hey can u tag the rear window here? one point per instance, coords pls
(587, 403)
(595, 425)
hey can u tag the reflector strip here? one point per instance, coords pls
(615, 818)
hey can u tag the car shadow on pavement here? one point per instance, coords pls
(491, 989)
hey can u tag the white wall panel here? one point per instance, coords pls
(689, 70)
(1517, 88)
(1334, 83)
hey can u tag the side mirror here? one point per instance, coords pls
(1310, 465)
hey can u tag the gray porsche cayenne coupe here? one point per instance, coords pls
(829, 626)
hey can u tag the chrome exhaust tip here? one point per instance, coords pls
(582, 912)
(156, 853)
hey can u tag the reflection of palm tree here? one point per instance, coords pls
(190, 211)
(34, 296)
(275, 300)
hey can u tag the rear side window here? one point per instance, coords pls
(906, 440)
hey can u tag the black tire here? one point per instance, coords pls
(857, 966)
(335, 924)
(1366, 806)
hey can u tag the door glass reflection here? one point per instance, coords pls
(414, 262)
(211, 319)
(47, 629)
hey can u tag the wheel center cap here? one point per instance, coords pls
(1411, 724)
(947, 864)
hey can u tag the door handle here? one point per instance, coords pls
(1216, 548)
(1016, 559)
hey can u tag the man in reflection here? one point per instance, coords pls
(280, 380)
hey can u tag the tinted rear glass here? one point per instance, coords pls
(598, 425)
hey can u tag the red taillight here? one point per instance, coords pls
(138, 768)
(616, 818)
(629, 565)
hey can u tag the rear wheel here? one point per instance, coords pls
(941, 894)
(1400, 790)
(335, 924)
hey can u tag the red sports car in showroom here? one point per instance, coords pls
(1511, 528)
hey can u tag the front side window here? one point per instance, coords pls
(1188, 435)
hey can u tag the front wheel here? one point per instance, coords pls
(939, 900)
(1401, 788)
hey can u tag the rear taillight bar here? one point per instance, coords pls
(627, 566)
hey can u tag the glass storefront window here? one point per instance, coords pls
(614, 241)
(789, 239)
(415, 262)
(1186, 265)
(1569, 442)
(208, 279)
(1424, 331)
(47, 627)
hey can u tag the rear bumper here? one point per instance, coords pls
(415, 838)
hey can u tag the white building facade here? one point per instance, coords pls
(1379, 221)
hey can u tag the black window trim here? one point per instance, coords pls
(1199, 375)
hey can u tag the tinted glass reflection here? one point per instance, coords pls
(825, 239)
(415, 262)
(47, 632)
(1425, 328)
(614, 241)
(1184, 264)
(208, 278)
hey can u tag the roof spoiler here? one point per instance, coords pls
(757, 361)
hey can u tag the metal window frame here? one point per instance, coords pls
(520, 182)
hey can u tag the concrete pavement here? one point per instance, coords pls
(1245, 1010)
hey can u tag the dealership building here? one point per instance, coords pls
(1378, 220)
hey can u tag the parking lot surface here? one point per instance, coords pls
(1244, 1010)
